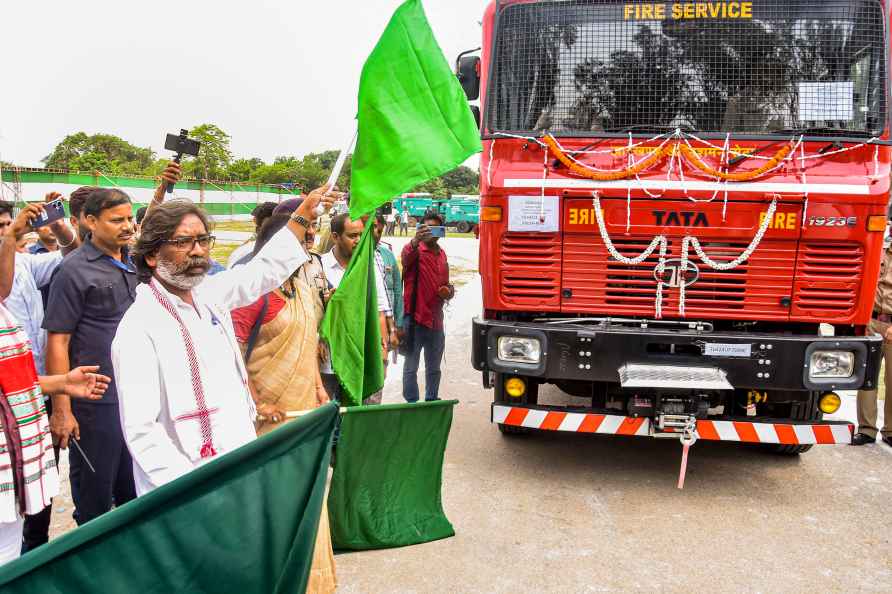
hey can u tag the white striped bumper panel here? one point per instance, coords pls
(743, 431)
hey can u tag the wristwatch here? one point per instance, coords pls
(301, 221)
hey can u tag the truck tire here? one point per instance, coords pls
(463, 227)
(807, 410)
(532, 397)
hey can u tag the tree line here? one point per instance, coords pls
(113, 155)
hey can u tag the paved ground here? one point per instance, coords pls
(563, 513)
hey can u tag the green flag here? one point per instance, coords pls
(414, 119)
(245, 522)
(414, 124)
(385, 491)
(351, 328)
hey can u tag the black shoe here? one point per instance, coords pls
(862, 438)
(888, 440)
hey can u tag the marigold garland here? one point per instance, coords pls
(693, 158)
(658, 154)
(603, 175)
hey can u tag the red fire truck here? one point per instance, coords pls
(682, 214)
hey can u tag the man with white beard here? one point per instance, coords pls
(182, 384)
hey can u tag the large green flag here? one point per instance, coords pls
(414, 119)
(351, 328)
(385, 491)
(245, 523)
(414, 124)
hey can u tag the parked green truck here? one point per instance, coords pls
(459, 211)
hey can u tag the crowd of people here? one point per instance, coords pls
(120, 336)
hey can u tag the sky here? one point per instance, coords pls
(279, 76)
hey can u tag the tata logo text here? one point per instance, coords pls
(686, 218)
(673, 275)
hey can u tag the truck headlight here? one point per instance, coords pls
(517, 349)
(831, 364)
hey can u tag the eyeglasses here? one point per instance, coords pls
(187, 244)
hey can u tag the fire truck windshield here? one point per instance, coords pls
(782, 67)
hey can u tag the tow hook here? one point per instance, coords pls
(685, 428)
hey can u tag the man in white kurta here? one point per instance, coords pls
(182, 384)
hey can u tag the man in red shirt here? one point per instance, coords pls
(425, 289)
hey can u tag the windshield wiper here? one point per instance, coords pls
(647, 128)
(803, 131)
(822, 130)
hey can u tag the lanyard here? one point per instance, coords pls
(126, 267)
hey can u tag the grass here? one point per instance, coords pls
(248, 227)
(221, 251)
(245, 226)
(448, 234)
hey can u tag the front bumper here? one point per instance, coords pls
(744, 429)
(578, 352)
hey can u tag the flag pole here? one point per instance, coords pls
(339, 164)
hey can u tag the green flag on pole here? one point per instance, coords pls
(414, 124)
(350, 326)
(414, 119)
(245, 522)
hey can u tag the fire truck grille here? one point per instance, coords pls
(531, 269)
(598, 284)
(772, 66)
(827, 280)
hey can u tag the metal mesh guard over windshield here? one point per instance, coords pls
(766, 66)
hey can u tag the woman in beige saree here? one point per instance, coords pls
(283, 367)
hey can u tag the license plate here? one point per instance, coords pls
(718, 349)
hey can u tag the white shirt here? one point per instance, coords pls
(32, 272)
(405, 216)
(156, 400)
(239, 253)
(334, 273)
(391, 217)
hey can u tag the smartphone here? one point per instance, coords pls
(435, 230)
(182, 144)
(52, 212)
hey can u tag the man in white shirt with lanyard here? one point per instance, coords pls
(182, 384)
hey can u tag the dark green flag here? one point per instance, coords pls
(243, 523)
(385, 491)
(414, 119)
(351, 327)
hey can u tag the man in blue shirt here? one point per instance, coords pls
(46, 241)
(93, 288)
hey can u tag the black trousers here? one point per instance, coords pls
(110, 481)
(37, 527)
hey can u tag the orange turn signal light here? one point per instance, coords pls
(491, 214)
(876, 223)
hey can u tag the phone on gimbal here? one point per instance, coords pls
(181, 144)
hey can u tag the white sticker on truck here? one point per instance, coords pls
(718, 349)
(533, 214)
(826, 101)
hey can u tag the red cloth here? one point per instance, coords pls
(434, 274)
(243, 318)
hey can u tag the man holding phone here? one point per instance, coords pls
(425, 289)
(32, 271)
(31, 278)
